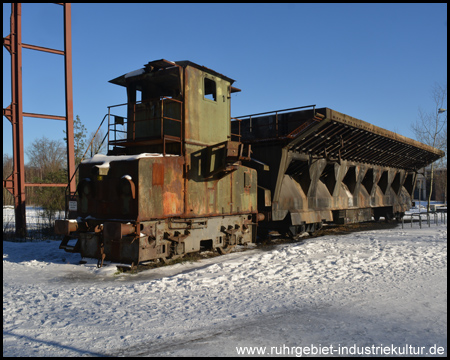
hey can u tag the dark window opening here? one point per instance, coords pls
(210, 90)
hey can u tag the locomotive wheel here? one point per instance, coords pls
(168, 259)
(176, 251)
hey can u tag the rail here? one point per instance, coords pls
(277, 111)
(238, 135)
(274, 112)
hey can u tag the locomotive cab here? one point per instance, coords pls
(154, 111)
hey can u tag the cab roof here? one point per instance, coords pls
(162, 64)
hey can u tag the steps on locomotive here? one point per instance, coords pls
(70, 248)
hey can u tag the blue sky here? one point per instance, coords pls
(375, 62)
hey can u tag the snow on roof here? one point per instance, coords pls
(99, 158)
(134, 73)
(105, 160)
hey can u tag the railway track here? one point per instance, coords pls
(266, 244)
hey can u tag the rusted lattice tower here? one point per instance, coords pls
(15, 183)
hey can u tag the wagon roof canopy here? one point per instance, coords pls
(327, 133)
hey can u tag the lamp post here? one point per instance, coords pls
(440, 111)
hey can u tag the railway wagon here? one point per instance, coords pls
(181, 177)
(319, 165)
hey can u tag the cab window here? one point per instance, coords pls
(210, 91)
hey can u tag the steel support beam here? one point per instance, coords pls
(13, 43)
(69, 99)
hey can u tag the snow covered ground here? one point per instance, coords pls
(380, 292)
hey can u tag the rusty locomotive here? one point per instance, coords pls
(181, 175)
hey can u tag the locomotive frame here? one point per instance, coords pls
(181, 177)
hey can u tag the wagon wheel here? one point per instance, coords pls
(314, 228)
(225, 250)
(388, 217)
(399, 216)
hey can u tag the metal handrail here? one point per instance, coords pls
(239, 134)
(161, 117)
(276, 111)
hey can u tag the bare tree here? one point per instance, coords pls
(46, 155)
(8, 166)
(47, 160)
(79, 136)
(431, 127)
(97, 145)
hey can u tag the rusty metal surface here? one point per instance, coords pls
(161, 239)
(13, 44)
(161, 187)
(69, 98)
(216, 187)
(156, 188)
(308, 189)
(111, 195)
(65, 227)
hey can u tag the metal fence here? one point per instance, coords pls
(426, 218)
(40, 224)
